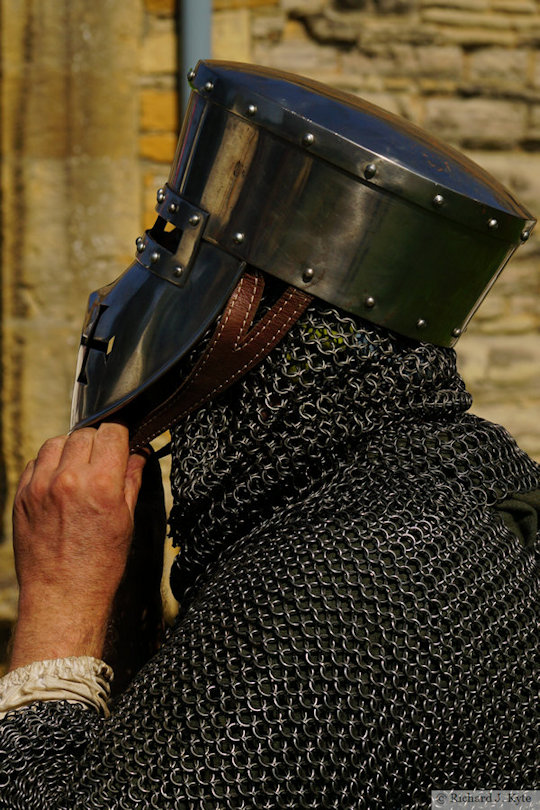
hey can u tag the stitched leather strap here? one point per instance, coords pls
(233, 350)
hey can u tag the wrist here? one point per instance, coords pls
(48, 630)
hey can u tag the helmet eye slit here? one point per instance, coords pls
(166, 234)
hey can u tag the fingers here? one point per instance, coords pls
(110, 450)
(27, 475)
(106, 450)
(77, 448)
(133, 480)
(44, 465)
(50, 453)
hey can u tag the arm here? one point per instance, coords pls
(73, 519)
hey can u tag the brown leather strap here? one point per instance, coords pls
(233, 350)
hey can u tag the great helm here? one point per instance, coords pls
(319, 188)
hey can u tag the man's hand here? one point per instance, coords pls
(72, 526)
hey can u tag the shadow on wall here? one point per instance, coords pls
(5, 635)
(381, 6)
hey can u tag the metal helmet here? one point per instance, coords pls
(319, 188)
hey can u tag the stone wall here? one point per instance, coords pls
(89, 124)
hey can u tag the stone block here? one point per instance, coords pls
(464, 5)
(294, 30)
(8, 584)
(440, 61)
(159, 110)
(519, 418)
(297, 56)
(224, 5)
(331, 28)
(477, 121)
(159, 147)
(165, 8)
(375, 31)
(533, 130)
(405, 59)
(159, 52)
(511, 324)
(520, 173)
(536, 70)
(515, 6)
(395, 6)
(268, 26)
(71, 227)
(499, 66)
(499, 365)
(477, 37)
(375, 65)
(462, 18)
(231, 35)
(303, 6)
(387, 101)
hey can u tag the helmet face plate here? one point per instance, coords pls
(316, 187)
(140, 326)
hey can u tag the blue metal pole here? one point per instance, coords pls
(194, 39)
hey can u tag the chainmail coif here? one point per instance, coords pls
(356, 621)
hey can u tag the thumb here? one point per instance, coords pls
(132, 483)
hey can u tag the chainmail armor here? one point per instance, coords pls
(357, 623)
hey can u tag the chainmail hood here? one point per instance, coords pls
(335, 386)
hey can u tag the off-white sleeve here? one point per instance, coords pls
(84, 680)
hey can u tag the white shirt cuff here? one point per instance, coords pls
(84, 680)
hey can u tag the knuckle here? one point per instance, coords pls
(83, 434)
(64, 483)
(52, 444)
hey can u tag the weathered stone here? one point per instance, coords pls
(379, 30)
(352, 4)
(298, 55)
(533, 130)
(8, 585)
(295, 30)
(513, 324)
(268, 25)
(477, 121)
(464, 5)
(515, 6)
(500, 372)
(476, 37)
(394, 6)
(162, 7)
(303, 6)
(440, 62)
(464, 19)
(159, 110)
(331, 28)
(499, 66)
(520, 173)
(158, 147)
(525, 23)
(536, 70)
(492, 363)
(219, 5)
(520, 419)
(159, 52)
(70, 161)
(231, 35)
(404, 59)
